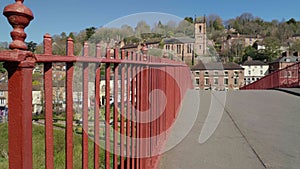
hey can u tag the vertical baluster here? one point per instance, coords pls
(115, 116)
(128, 114)
(142, 131)
(138, 106)
(97, 111)
(69, 106)
(107, 111)
(133, 114)
(85, 127)
(48, 104)
(122, 126)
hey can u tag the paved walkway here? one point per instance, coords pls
(294, 91)
(257, 130)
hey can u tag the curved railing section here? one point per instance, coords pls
(287, 77)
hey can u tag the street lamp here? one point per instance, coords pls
(144, 51)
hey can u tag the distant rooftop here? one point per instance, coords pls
(253, 62)
(179, 40)
(287, 59)
(216, 66)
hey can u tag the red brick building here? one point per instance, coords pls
(218, 76)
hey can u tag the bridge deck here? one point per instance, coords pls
(258, 129)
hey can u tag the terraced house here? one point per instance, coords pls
(218, 76)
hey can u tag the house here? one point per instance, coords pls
(218, 76)
(282, 62)
(254, 70)
(181, 47)
(3, 95)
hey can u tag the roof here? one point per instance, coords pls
(179, 40)
(130, 46)
(253, 62)
(287, 59)
(216, 66)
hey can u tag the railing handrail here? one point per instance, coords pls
(273, 74)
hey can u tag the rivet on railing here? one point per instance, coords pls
(18, 16)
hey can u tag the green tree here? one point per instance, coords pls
(71, 35)
(249, 51)
(272, 49)
(291, 21)
(189, 19)
(89, 32)
(31, 46)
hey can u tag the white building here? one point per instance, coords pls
(254, 70)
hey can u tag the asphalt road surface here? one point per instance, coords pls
(235, 130)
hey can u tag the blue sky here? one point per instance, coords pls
(56, 16)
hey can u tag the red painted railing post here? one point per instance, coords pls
(133, 113)
(128, 114)
(20, 89)
(20, 111)
(122, 125)
(48, 104)
(107, 111)
(115, 113)
(85, 90)
(97, 109)
(69, 106)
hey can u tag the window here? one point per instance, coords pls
(197, 81)
(200, 46)
(236, 81)
(205, 73)
(178, 49)
(216, 73)
(249, 72)
(226, 73)
(206, 81)
(197, 73)
(2, 101)
(215, 81)
(167, 47)
(189, 48)
(1, 93)
(200, 28)
(261, 72)
(226, 81)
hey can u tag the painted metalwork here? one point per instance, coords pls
(288, 77)
(138, 131)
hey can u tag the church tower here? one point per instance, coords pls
(200, 36)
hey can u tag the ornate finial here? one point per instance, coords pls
(18, 16)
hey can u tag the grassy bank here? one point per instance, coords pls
(38, 144)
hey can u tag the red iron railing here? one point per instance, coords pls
(288, 77)
(141, 119)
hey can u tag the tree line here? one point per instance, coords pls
(275, 34)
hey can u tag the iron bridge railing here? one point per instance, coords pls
(149, 91)
(288, 77)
